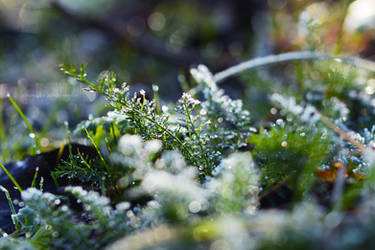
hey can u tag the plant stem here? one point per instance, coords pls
(290, 56)
(189, 121)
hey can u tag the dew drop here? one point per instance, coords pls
(155, 87)
(338, 60)
(284, 144)
(89, 90)
(203, 112)
(254, 130)
(195, 206)
(280, 122)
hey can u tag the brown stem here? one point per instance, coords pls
(276, 187)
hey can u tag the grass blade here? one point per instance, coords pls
(36, 138)
(11, 178)
(35, 176)
(7, 195)
(97, 150)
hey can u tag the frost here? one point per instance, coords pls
(171, 161)
(183, 184)
(306, 114)
(130, 144)
(203, 75)
(153, 146)
(188, 99)
(236, 184)
(123, 206)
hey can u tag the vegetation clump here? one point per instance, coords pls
(200, 173)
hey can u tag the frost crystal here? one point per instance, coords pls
(153, 146)
(130, 144)
(203, 75)
(237, 181)
(306, 114)
(183, 184)
(188, 99)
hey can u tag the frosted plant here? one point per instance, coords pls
(130, 144)
(176, 194)
(183, 185)
(203, 76)
(236, 184)
(307, 114)
(219, 126)
(232, 234)
(171, 161)
(134, 155)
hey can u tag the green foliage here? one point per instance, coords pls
(203, 131)
(288, 151)
(178, 177)
(236, 185)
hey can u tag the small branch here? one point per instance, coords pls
(290, 56)
(339, 186)
(343, 134)
(276, 187)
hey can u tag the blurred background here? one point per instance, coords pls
(155, 42)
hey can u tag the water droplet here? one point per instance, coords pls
(155, 87)
(280, 122)
(32, 135)
(44, 142)
(195, 206)
(203, 112)
(338, 60)
(284, 144)
(254, 130)
(165, 109)
(89, 90)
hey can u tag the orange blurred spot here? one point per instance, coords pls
(338, 164)
(327, 175)
(358, 176)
